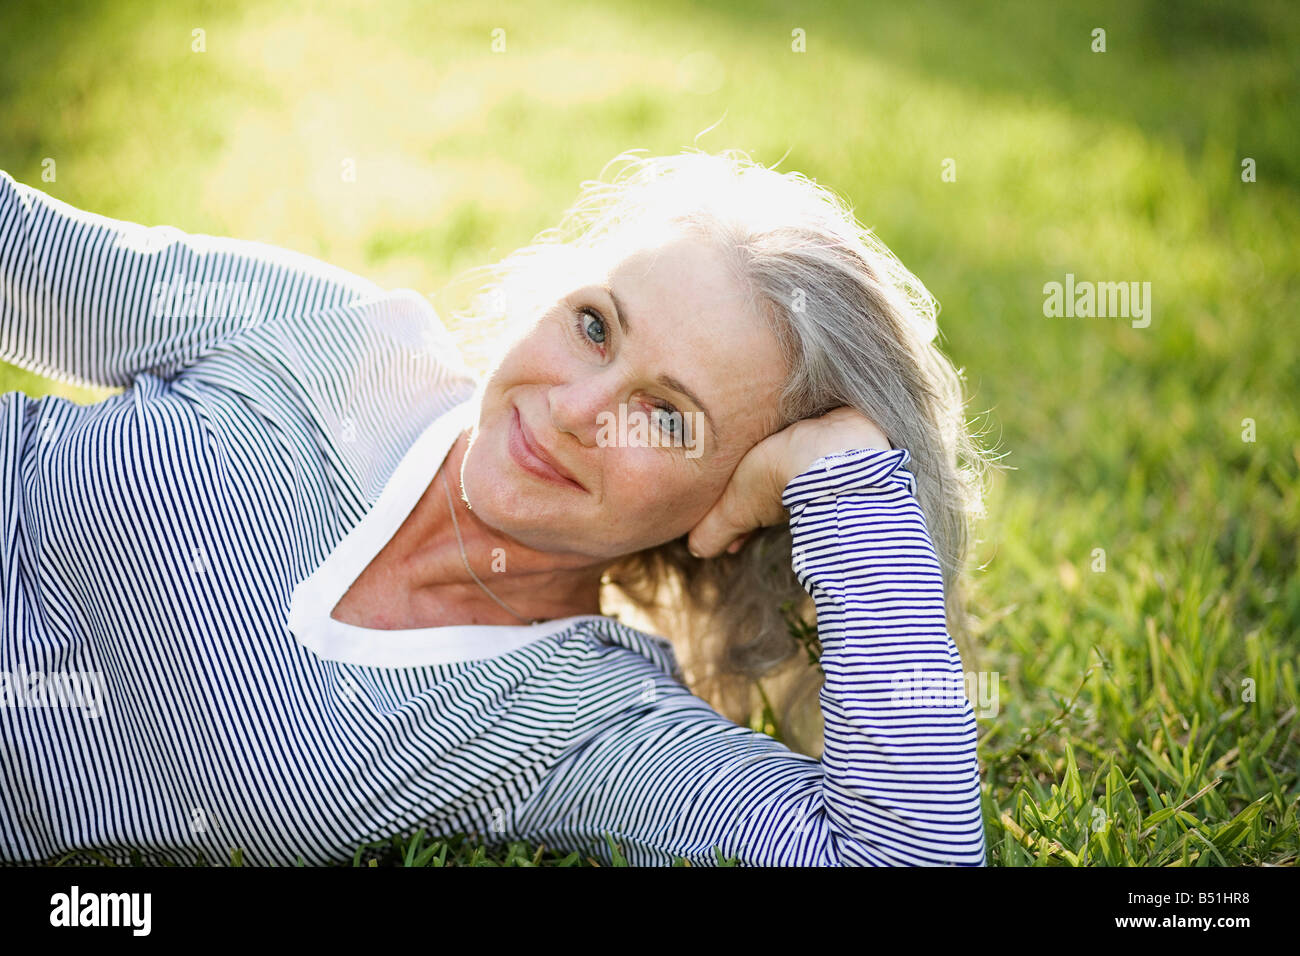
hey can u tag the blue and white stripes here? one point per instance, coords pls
(155, 541)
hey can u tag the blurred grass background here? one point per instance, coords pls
(1148, 711)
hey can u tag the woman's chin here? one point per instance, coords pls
(510, 510)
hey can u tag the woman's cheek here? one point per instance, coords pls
(681, 500)
(538, 349)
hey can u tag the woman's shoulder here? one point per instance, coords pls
(364, 377)
(607, 631)
(395, 325)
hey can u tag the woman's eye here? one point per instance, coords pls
(591, 325)
(670, 422)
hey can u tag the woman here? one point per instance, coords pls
(329, 586)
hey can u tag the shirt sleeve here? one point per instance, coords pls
(665, 776)
(96, 301)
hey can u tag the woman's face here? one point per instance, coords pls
(647, 385)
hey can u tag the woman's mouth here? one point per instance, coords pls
(532, 458)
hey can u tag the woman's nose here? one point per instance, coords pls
(576, 406)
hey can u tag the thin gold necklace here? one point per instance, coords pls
(456, 524)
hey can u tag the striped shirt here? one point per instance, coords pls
(171, 680)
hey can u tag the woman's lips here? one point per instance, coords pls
(529, 457)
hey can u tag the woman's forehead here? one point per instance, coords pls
(641, 244)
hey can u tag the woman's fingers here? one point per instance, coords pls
(715, 530)
(738, 543)
(748, 502)
(752, 498)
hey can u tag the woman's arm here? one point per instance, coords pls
(898, 782)
(97, 300)
(902, 772)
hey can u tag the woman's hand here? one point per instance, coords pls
(752, 498)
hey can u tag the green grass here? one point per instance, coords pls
(1125, 735)
(412, 850)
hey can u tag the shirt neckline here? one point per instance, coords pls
(316, 596)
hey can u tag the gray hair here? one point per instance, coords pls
(856, 328)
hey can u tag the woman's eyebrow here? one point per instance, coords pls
(669, 382)
(620, 313)
(665, 380)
